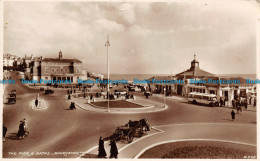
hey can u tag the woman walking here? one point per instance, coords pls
(101, 150)
(113, 150)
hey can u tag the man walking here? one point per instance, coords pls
(245, 104)
(36, 102)
(233, 115)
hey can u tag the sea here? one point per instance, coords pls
(131, 77)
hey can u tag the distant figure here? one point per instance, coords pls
(4, 132)
(91, 97)
(233, 115)
(74, 90)
(146, 94)
(68, 91)
(36, 102)
(101, 150)
(113, 150)
(254, 102)
(69, 97)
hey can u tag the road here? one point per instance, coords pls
(57, 129)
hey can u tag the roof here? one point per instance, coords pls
(57, 60)
(234, 80)
(202, 94)
(194, 72)
(160, 78)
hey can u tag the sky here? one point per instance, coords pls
(145, 38)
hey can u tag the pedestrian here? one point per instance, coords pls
(25, 126)
(254, 102)
(146, 94)
(68, 91)
(69, 97)
(21, 131)
(233, 115)
(245, 104)
(221, 102)
(71, 106)
(113, 150)
(101, 150)
(4, 132)
(36, 102)
(74, 90)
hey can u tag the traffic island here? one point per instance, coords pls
(117, 104)
(120, 106)
(41, 105)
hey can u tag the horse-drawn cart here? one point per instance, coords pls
(131, 129)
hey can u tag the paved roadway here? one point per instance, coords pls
(58, 129)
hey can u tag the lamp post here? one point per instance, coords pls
(164, 89)
(107, 44)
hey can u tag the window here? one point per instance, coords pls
(61, 70)
(77, 70)
(52, 70)
(46, 70)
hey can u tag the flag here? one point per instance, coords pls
(107, 42)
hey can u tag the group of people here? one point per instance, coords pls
(23, 129)
(70, 91)
(102, 152)
(72, 106)
(239, 104)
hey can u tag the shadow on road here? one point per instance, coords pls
(228, 119)
(90, 156)
(12, 136)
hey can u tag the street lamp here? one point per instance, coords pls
(107, 44)
(164, 89)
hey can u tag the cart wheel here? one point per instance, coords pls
(140, 133)
(130, 138)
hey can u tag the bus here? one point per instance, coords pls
(203, 98)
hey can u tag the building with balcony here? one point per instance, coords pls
(59, 69)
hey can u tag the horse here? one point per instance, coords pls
(145, 124)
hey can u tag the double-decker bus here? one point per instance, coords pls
(203, 98)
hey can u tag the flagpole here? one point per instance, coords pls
(107, 45)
